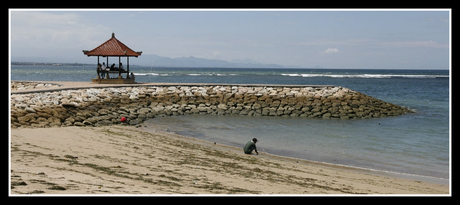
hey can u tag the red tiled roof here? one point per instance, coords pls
(112, 47)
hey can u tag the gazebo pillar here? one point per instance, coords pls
(107, 66)
(97, 67)
(127, 67)
(119, 69)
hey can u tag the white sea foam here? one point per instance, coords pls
(363, 76)
(146, 74)
(150, 74)
(212, 74)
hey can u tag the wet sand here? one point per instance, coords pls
(128, 160)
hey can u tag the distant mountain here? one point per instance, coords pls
(160, 61)
(156, 61)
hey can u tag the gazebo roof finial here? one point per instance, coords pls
(113, 35)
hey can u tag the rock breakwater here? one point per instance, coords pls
(105, 106)
(31, 85)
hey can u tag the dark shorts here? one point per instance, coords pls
(248, 151)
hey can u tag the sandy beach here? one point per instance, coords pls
(122, 159)
(127, 160)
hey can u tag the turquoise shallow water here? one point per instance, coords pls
(416, 144)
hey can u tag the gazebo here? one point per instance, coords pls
(113, 48)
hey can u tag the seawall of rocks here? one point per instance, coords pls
(105, 106)
(32, 85)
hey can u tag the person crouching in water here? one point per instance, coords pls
(251, 145)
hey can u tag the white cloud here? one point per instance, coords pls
(330, 50)
(53, 33)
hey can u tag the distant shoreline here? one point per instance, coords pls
(50, 64)
(34, 63)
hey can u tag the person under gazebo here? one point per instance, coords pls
(120, 67)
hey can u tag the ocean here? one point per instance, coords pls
(416, 144)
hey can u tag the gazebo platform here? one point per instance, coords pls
(114, 81)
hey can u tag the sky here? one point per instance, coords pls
(365, 39)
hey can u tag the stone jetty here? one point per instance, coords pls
(105, 106)
(32, 85)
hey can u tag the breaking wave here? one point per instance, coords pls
(186, 74)
(151, 74)
(364, 76)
